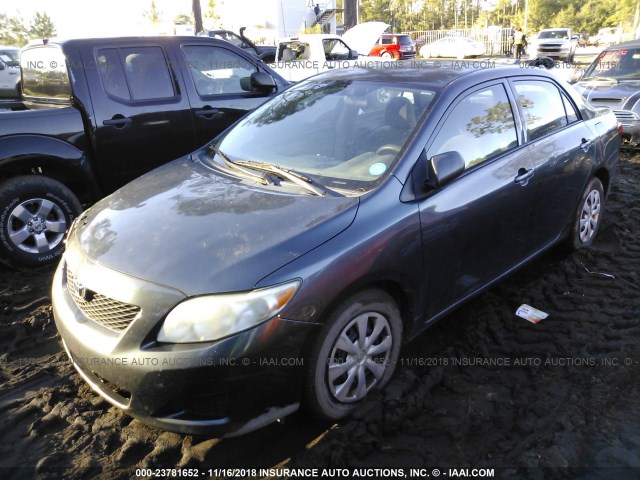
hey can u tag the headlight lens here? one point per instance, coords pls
(211, 317)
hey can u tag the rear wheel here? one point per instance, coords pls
(35, 213)
(387, 56)
(355, 354)
(588, 217)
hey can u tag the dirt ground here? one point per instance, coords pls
(481, 389)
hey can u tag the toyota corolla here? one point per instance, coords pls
(284, 264)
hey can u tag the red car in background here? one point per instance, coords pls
(390, 45)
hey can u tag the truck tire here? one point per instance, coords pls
(35, 214)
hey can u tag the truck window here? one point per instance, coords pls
(216, 70)
(112, 73)
(44, 75)
(135, 73)
(335, 49)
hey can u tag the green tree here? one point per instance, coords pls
(153, 14)
(42, 26)
(14, 32)
(211, 14)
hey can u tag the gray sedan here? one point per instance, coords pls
(284, 264)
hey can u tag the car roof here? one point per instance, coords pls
(430, 74)
(624, 45)
(163, 39)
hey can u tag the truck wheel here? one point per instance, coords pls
(355, 354)
(35, 213)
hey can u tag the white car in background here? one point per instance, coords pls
(456, 47)
(9, 72)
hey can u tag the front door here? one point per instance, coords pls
(477, 227)
(215, 88)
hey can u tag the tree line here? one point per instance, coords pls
(15, 31)
(586, 16)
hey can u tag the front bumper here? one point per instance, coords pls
(230, 386)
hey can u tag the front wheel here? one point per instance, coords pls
(35, 213)
(588, 217)
(355, 354)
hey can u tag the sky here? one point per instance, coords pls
(85, 18)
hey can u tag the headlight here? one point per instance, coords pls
(212, 317)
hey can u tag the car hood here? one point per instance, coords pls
(185, 227)
(610, 93)
(364, 36)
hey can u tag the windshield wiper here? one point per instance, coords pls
(630, 76)
(293, 176)
(236, 166)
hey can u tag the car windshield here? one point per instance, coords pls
(405, 40)
(345, 135)
(10, 57)
(616, 64)
(554, 34)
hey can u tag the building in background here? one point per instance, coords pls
(267, 21)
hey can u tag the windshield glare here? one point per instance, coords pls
(617, 64)
(343, 134)
(554, 34)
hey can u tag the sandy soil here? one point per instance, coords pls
(482, 389)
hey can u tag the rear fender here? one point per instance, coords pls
(24, 154)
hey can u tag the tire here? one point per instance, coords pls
(588, 217)
(387, 56)
(35, 214)
(343, 373)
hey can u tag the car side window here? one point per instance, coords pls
(572, 114)
(215, 70)
(135, 73)
(542, 105)
(479, 127)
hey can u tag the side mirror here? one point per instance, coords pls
(444, 168)
(258, 82)
(353, 54)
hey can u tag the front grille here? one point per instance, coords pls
(106, 311)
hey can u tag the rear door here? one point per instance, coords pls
(563, 150)
(141, 114)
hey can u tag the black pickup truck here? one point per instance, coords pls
(96, 113)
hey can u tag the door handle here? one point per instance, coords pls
(118, 122)
(586, 144)
(523, 176)
(208, 112)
